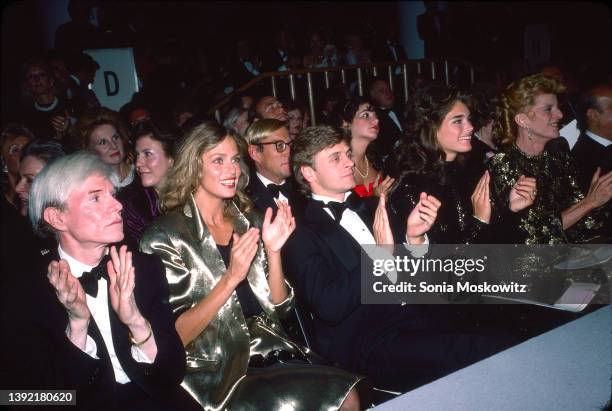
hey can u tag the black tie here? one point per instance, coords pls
(89, 279)
(279, 188)
(353, 202)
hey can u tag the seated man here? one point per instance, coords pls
(270, 148)
(103, 328)
(399, 346)
(593, 148)
(594, 145)
(390, 122)
(270, 107)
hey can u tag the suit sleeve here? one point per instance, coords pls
(330, 292)
(35, 352)
(168, 368)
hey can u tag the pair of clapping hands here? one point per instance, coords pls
(71, 294)
(419, 221)
(274, 234)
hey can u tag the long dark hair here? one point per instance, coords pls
(420, 152)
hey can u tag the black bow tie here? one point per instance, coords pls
(275, 189)
(89, 279)
(353, 202)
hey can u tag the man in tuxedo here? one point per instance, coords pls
(389, 120)
(269, 148)
(399, 346)
(594, 145)
(593, 149)
(98, 325)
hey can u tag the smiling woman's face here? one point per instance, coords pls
(543, 117)
(220, 170)
(455, 132)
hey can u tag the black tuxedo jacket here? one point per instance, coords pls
(382, 52)
(588, 154)
(263, 198)
(272, 60)
(323, 263)
(388, 133)
(38, 355)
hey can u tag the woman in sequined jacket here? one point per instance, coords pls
(557, 212)
(431, 161)
(227, 286)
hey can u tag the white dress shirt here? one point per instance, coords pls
(357, 229)
(393, 117)
(604, 142)
(114, 178)
(98, 307)
(265, 182)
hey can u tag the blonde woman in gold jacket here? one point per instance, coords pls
(228, 290)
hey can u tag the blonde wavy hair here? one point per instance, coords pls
(518, 98)
(183, 178)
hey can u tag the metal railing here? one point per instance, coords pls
(374, 69)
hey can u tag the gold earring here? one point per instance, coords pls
(529, 133)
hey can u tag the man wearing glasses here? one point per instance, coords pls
(269, 149)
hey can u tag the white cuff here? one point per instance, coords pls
(91, 348)
(417, 250)
(140, 356)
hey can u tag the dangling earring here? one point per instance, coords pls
(529, 133)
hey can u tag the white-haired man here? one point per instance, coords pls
(96, 325)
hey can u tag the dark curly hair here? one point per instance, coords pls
(420, 152)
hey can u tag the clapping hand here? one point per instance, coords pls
(243, 251)
(421, 218)
(523, 193)
(122, 283)
(481, 203)
(381, 227)
(69, 290)
(382, 187)
(275, 233)
(600, 190)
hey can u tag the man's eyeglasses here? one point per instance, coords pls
(280, 146)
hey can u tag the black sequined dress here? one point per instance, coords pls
(455, 223)
(556, 191)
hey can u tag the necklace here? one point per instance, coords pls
(527, 154)
(364, 176)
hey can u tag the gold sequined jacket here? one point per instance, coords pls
(556, 191)
(218, 358)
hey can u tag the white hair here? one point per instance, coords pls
(54, 184)
(232, 117)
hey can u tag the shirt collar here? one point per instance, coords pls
(604, 142)
(267, 182)
(76, 79)
(114, 178)
(77, 268)
(325, 199)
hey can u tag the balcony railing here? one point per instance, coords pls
(392, 70)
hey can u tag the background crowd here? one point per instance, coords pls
(258, 217)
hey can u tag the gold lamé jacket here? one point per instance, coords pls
(218, 358)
